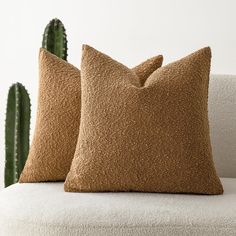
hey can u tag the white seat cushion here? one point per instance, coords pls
(45, 209)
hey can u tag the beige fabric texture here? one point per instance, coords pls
(152, 138)
(58, 117)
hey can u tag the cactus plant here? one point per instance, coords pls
(18, 108)
(16, 132)
(54, 38)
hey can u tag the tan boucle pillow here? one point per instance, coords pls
(152, 138)
(58, 117)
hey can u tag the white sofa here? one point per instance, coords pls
(45, 209)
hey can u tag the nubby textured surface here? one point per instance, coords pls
(58, 117)
(40, 209)
(222, 116)
(152, 137)
(45, 209)
(57, 123)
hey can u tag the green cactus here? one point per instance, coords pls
(54, 38)
(16, 132)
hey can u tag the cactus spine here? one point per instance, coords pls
(54, 38)
(16, 132)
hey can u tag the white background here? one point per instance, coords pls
(128, 30)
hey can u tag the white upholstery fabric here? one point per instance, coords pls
(45, 209)
(222, 115)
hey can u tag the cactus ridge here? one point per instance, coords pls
(55, 39)
(16, 132)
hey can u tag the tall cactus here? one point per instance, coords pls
(16, 132)
(54, 38)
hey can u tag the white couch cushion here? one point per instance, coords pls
(45, 209)
(222, 116)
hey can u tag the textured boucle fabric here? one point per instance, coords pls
(222, 119)
(152, 138)
(58, 117)
(45, 209)
(145, 69)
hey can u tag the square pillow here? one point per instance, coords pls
(151, 138)
(58, 117)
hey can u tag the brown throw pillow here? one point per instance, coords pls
(58, 117)
(152, 138)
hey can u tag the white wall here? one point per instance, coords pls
(128, 30)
